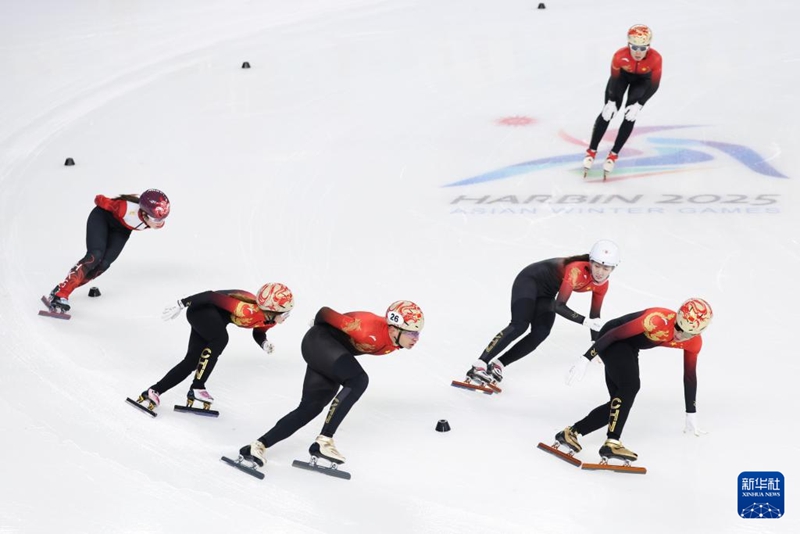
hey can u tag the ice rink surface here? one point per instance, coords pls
(385, 150)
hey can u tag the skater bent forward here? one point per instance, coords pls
(619, 344)
(209, 313)
(329, 349)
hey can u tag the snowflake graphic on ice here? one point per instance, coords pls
(760, 510)
(516, 120)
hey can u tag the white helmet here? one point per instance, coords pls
(694, 315)
(275, 297)
(405, 315)
(640, 35)
(605, 252)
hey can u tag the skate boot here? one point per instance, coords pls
(200, 395)
(323, 447)
(60, 304)
(613, 448)
(152, 398)
(608, 166)
(478, 373)
(256, 452)
(569, 437)
(588, 161)
(496, 369)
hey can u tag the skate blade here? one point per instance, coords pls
(141, 407)
(472, 387)
(241, 466)
(197, 411)
(332, 471)
(567, 457)
(52, 312)
(605, 466)
(55, 315)
(494, 387)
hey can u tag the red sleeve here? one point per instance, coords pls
(616, 62)
(598, 294)
(565, 290)
(655, 67)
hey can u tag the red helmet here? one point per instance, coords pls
(405, 315)
(694, 316)
(154, 204)
(275, 297)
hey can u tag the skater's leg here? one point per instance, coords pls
(206, 323)
(117, 238)
(622, 381)
(635, 92)
(354, 382)
(97, 230)
(543, 319)
(614, 93)
(321, 351)
(318, 391)
(524, 295)
(625, 375)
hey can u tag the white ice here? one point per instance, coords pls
(325, 167)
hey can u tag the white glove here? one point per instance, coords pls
(576, 372)
(609, 110)
(691, 425)
(632, 111)
(593, 324)
(267, 346)
(170, 312)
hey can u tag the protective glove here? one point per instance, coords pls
(632, 111)
(609, 110)
(691, 425)
(170, 312)
(576, 372)
(267, 346)
(593, 324)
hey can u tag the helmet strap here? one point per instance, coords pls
(396, 340)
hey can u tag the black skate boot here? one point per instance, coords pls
(200, 395)
(479, 374)
(152, 397)
(59, 304)
(323, 447)
(569, 437)
(496, 369)
(256, 452)
(613, 448)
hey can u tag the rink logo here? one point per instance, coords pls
(667, 155)
(761, 495)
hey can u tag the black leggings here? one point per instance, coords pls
(330, 364)
(527, 310)
(622, 380)
(615, 91)
(206, 342)
(105, 239)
